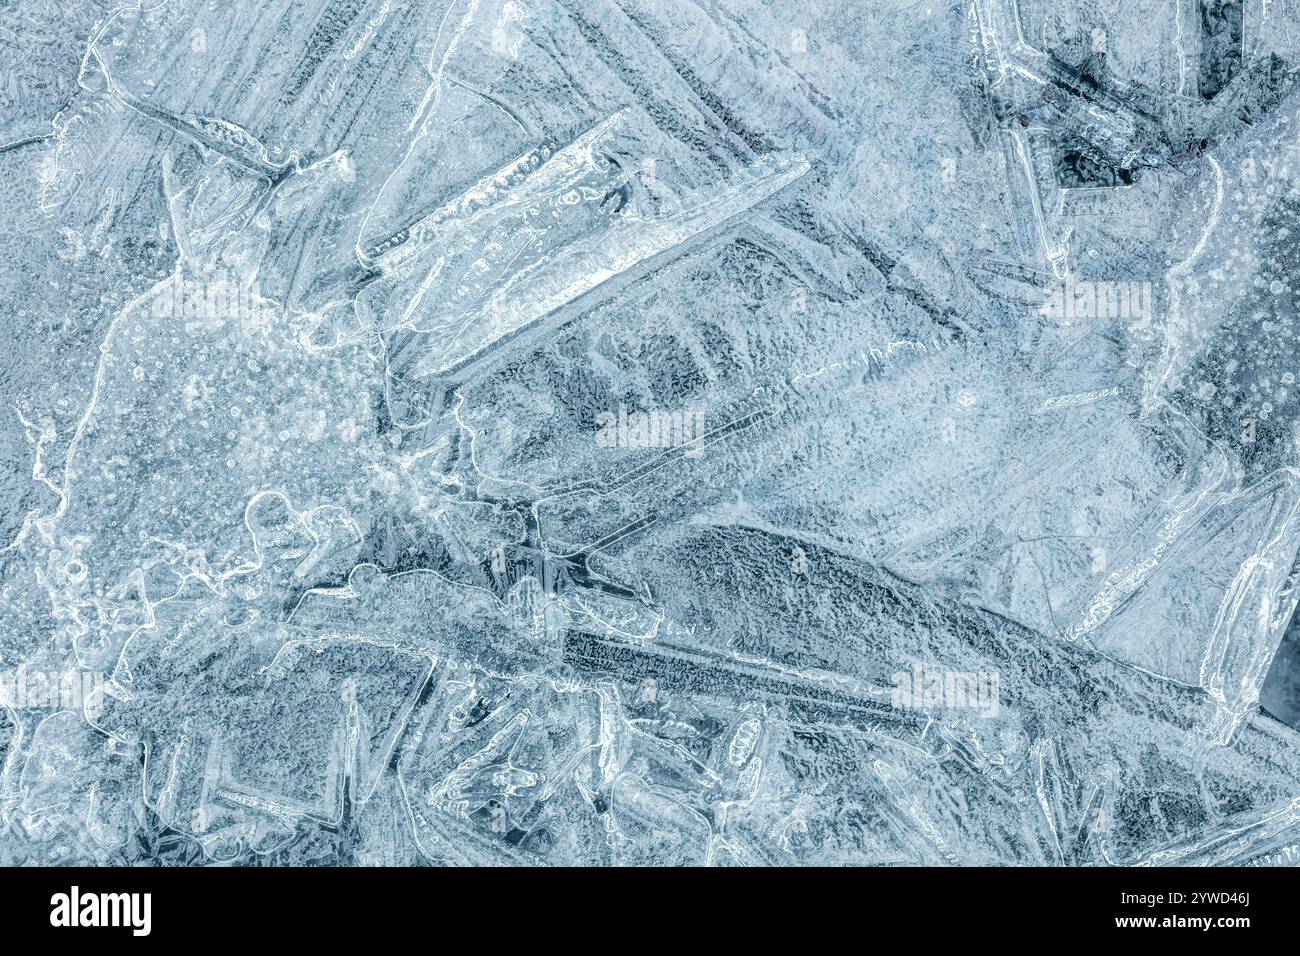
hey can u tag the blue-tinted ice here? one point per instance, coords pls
(649, 432)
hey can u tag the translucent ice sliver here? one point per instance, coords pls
(484, 274)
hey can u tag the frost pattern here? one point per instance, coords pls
(513, 432)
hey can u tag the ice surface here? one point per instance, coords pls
(649, 432)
